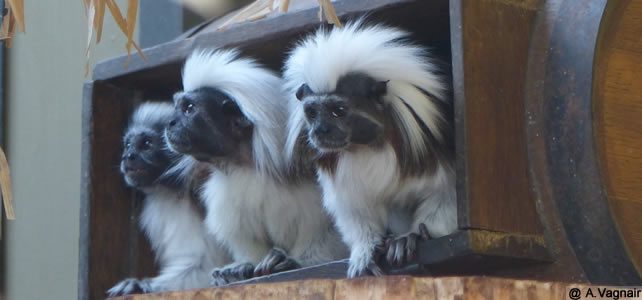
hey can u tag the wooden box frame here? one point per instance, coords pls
(506, 227)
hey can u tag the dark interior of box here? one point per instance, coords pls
(427, 21)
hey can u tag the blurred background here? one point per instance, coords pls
(40, 103)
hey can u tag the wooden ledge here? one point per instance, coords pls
(388, 287)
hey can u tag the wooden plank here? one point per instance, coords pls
(269, 39)
(389, 287)
(472, 252)
(111, 247)
(177, 50)
(489, 77)
(618, 119)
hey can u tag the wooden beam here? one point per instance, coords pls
(490, 44)
(390, 287)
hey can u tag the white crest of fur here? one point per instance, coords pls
(257, 91)
(150, 113)
(380, 52)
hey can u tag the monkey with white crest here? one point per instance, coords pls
(373, 107)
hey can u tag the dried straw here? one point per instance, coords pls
(5, 186)
(95, 13)
(259, 9)
(15, 15)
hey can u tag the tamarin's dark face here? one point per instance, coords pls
(352, 114)
(145, 156)
(207, 125)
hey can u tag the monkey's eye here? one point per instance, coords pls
(338, 111)
(187, 108)
(146, 144)
(310, 112)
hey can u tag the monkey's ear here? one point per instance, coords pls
(232, 110)
(303, 91)
(177, 96)
(379, 88)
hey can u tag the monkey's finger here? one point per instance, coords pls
(268, 263)
(139, 288)
(132, 288)
(400, 251)
(387, 242)
(246, 271)
(375, 269)
(216, 273)
(273, 261)
(423, 231)
(145, 285)
(286, 265)
(259, 269)
(390, 254)
(381, 247)
(411, 247)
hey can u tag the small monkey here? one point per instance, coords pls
(232, 115)
(170, 218)
(373, 108)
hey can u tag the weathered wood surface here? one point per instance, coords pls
(618, 118)
(563, 158)
(490, 54)
(467, 252)
(391, 287)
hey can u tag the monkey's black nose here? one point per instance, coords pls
(329, 132)
(323, 129)
(172, 123)
(130, 156)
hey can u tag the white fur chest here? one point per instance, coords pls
(369, 182)
(244, 203)
(368, 175)
(176, 231)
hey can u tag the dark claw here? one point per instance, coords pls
(392, 247)
(244, 271)
(400, 251)
(423, 231)
(286, 265)
(275, 261)
(411, 247)
(130, 286)
(231, 274)
(403, 249)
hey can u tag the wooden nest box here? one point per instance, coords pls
(542, 194)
